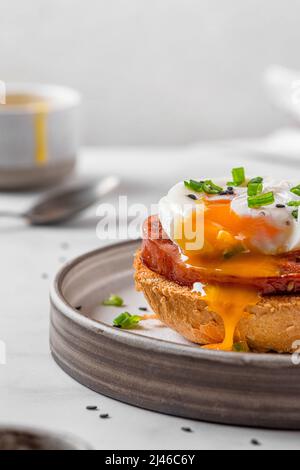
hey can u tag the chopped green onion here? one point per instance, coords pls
(238, 176)
(254, 189)
(210, 188)
(296, 190)
(114, 301)
(293, 203)
(242, 346)
(255, 186)
(295, 214)
(126, 321)
(258, 179)
(261, 200)
(196, 186)
(206, 186)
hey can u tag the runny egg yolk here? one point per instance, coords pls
(226, 248)
(230, 302)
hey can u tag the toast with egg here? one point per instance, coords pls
(238, 289)
(273, 324)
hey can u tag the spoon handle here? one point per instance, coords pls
(12, 214)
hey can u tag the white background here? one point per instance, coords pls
(155, 71)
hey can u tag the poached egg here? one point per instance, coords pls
(224, 233)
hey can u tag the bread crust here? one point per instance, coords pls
(271, 325)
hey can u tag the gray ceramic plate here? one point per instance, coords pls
(153, 367)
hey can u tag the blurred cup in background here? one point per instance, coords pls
(39, 134)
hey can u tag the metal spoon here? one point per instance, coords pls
(64, 204)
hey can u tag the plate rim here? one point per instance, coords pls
(146, 342)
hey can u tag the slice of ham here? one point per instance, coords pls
(162, 256)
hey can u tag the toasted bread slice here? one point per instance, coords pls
(271, 325)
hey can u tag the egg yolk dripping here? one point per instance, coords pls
(227, 247)
(230, 302)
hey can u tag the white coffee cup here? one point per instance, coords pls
(39, 134)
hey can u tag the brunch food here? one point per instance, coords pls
(220, 263)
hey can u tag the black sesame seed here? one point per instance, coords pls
(92, 408)
(78, 308)
(224, 193)
(262, 213)
(230, 188)
(280, 206)
(184, 429)
(192, 196)
(104, 416)
(143, 309)
(255, 442)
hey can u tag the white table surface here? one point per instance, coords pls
(33, 389)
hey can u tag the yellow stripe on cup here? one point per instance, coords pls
(40, 109)
(40, 131)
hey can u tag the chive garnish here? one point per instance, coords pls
(255, 186)
(206, 186)
(258, 179)
(238, 177)
(126, 321)
(296, 190)
(210, 188)
(293, 203)
(196, 186)
(254, 189)
(261, 200)
(242, 346)
(295, 212)
(114, 301)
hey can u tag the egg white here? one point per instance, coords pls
(176, 205)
